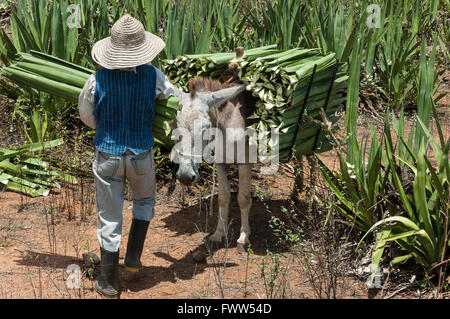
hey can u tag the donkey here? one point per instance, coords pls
(226, 107)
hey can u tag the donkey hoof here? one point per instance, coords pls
(212, 245)
(242, 247)
(199, 256)
(216, 238)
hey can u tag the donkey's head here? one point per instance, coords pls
(192, 121)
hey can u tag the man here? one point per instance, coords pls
(119, 102)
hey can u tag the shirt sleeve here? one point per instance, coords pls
(86, 103)
(164, 89)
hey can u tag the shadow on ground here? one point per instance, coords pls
(184, 268)
(195, 218)
(36, 259)
(180, 269)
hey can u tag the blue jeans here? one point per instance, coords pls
(110, 172)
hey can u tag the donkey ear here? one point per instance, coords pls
(218, 97)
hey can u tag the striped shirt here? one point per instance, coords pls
(123, 119)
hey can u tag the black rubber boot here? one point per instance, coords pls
(107, 282)
(135, 245)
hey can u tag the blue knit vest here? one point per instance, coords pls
(124, 110)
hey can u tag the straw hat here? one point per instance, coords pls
(128, 46)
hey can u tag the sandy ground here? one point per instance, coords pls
(42, 241)
(35, 254)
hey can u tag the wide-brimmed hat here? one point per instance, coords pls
(128, 46)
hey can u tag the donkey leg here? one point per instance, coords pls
(224, 201)
(245, 202)
(298, 187)
(314, 172)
